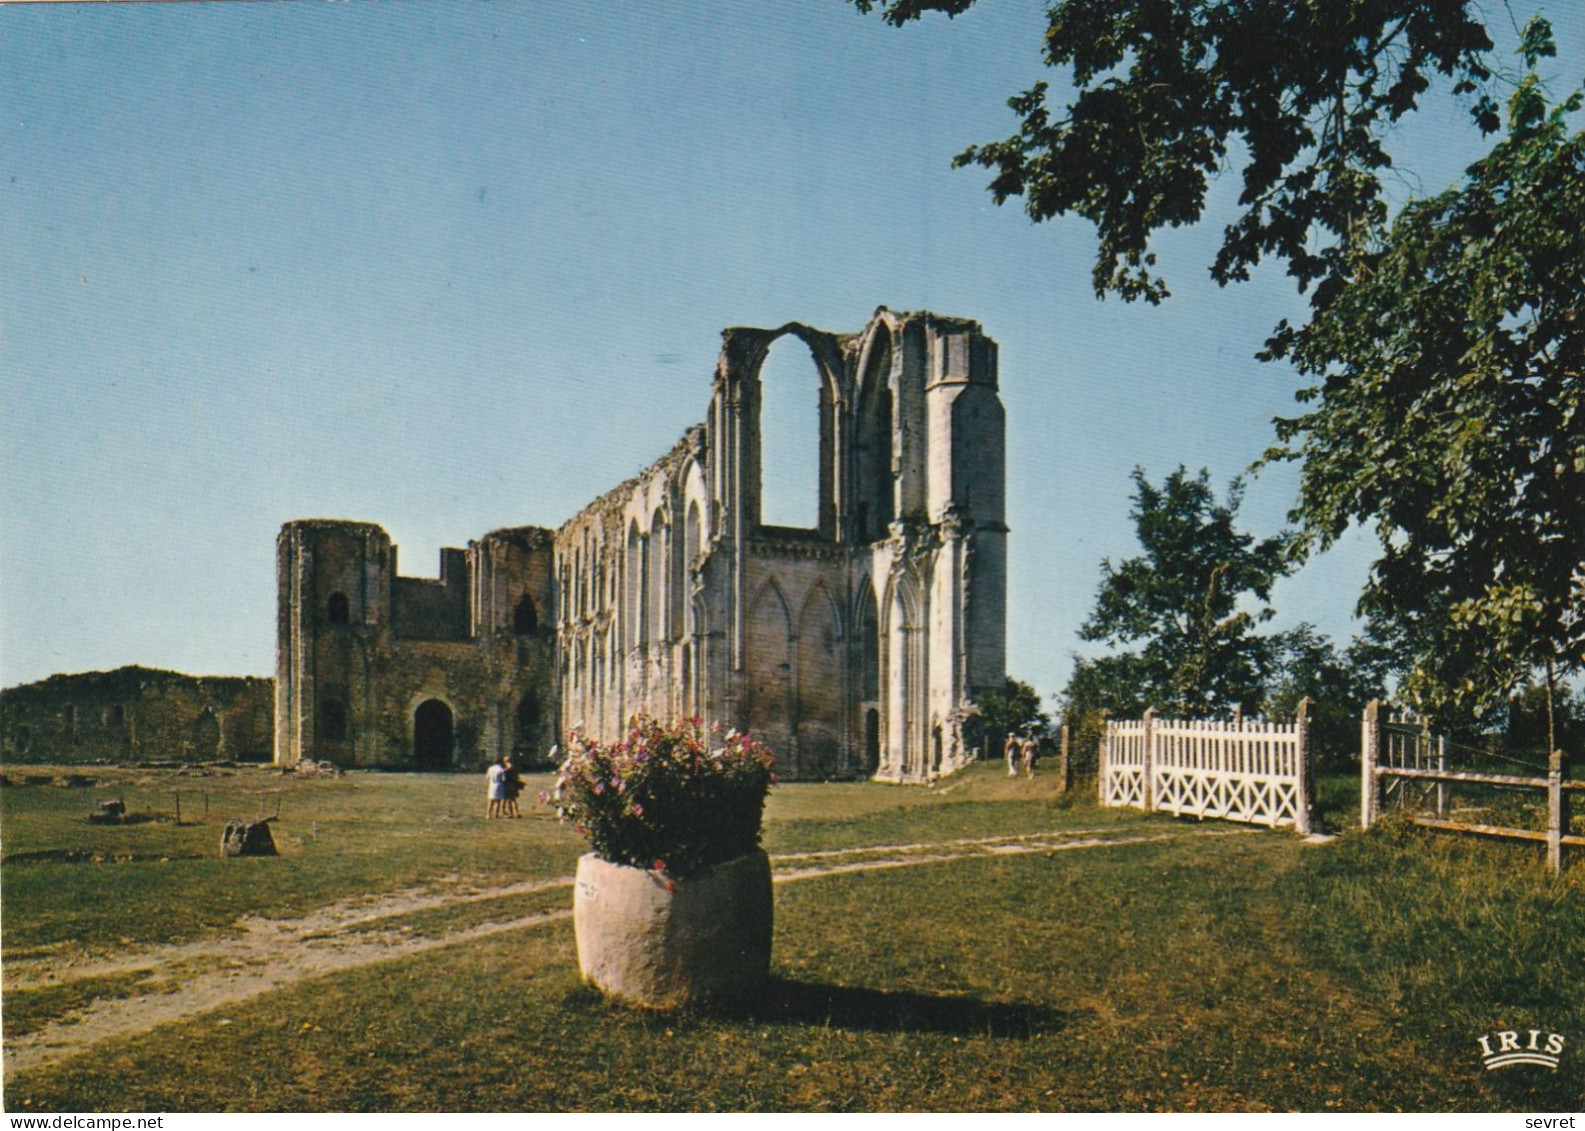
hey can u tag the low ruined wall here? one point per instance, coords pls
(137, 714)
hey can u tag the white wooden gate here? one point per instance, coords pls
(1255, 772)
(1403, 765)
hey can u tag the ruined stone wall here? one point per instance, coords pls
(855, 647)
(137, 714)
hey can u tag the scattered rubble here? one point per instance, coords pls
(248, 838)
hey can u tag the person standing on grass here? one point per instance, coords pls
(1010, 751)
(495, 780)
(1028, 751)
(514, 786)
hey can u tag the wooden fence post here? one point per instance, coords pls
(1556, 811)
(1369, 744)
(1441, 768)
(1100, 760)
(1064, 762)
(1148, 788)
(1306, 791)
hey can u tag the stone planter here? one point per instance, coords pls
(659, 943)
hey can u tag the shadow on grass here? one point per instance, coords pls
(92, 856)
(893, 1011)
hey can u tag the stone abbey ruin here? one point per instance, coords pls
(853, 648)
(856, 647)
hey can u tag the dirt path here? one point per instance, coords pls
(188, 979)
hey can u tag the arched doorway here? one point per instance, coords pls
(432, 735)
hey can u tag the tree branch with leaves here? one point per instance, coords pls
(1298, 96)
(1448, 410)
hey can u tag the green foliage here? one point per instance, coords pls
(1298, 664)
(663, 799)
(1299, 96)
(1305, 664)
(1447, 411)
(1110, 683)
(1098, 688)
(1181, 599)
(1448, 350)
(1014, 709)
(1536, 725)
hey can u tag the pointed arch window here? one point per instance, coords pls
(793, 442)
(525, 617)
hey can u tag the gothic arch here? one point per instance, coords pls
(792, 434)
(694, 501)
(525, 617)
(904, 684)
(744, 351)
(633, 589)
(874, 457)
(434, 726)
(656, 588)
(820, 681)
(743, 356)
(878, 337)
(768, 670)
(866, 638)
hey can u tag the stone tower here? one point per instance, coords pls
(377, 669)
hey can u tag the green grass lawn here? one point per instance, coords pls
(1247, 971)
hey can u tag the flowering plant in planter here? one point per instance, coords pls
(665, 797)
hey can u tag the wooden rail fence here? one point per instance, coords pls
(1403, 763)
(1256, 772)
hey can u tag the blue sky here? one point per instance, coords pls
(456, 267)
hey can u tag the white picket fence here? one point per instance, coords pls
(1255, 772)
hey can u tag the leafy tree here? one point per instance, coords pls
(1538, 723)
(1181, 599)
(1299, 95)
(1096, 689)
(1306, 664)
(1448, 410)
(1448, 348)
(1014, 708)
